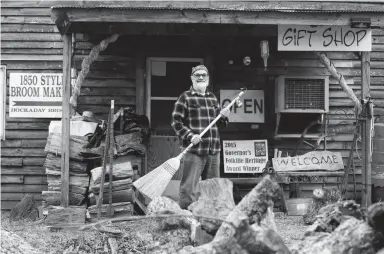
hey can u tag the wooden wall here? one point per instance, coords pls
(31, 43)
(236, 75)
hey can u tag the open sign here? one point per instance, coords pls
(252, 110)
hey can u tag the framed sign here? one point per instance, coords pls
(36, 95)
(252, 110)
(3, 94)
(245, 156)
(323, 38)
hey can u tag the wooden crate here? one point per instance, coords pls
(297, 206)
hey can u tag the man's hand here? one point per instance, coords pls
(225, 112)
(195, 139)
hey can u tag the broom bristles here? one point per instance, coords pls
(154, 183)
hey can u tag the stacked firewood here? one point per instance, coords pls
(122, 177)
(128, 137)
(78, 175)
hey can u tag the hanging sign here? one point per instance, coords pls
(323, 38)
(245, 156)
(35, 95)
(252, 110)
(316, 160)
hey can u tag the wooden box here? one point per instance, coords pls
(297, 206)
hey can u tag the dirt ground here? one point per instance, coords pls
(136, 236)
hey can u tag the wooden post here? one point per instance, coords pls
(140, 84)
(366, 131)
(67, 56)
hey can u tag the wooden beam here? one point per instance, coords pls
(366, 131)
(216, 17)
(67, 55)
(140, 84)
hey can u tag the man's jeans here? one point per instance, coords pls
(194, 166)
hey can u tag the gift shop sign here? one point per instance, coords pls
(252, 110)
(323, 38)
(317, 160)
(245, 156)
(37, 95)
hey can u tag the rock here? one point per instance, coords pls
(166, 206)
(351, 236)
(215, 200)
(321, 198)
(24, 209)
(331, 216)
(375, 215)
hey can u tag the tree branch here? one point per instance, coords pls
(331, 68)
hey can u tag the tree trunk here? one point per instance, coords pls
(254, 206)
(215, 199)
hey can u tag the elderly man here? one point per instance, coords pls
(194, 110)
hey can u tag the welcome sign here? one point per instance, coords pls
(323, 38)
(317, 160)
(37, 95)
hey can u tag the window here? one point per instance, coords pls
(3, 94)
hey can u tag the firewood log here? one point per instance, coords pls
(53, 162)
(56, 186)
(76, 144)
(120, 171)
(74, 180)
(117, 197)
(60, 215)
(54, 198)
(117, 207)
(116, 185)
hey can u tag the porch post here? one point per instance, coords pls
(67, 54)
(366, 131)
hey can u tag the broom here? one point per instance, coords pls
(154, 183)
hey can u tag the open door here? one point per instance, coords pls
(167, 78)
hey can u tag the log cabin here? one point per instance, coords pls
(261, 45)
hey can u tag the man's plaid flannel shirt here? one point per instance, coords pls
(192, 113)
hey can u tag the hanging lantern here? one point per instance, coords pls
(264, 48)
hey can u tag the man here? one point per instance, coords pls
(194, 110)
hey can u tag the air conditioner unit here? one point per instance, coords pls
(302, 94)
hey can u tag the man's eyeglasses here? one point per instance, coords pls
(203, 75)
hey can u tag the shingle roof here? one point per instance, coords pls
(247, 6)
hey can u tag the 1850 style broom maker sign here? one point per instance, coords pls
(37, 95)
(323, 38)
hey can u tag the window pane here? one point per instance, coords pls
(161, 116)
(176, 81)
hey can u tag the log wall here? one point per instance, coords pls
(31, 43)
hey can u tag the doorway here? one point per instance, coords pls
(166, 79)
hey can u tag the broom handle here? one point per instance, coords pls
(212, 123)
